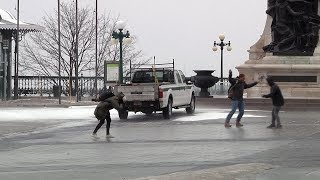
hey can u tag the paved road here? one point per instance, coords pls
(150, 146)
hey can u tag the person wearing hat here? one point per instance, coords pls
(277, 101)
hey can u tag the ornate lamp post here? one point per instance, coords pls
(222, 44)
(120, 36)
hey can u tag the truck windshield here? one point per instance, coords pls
(151, 76)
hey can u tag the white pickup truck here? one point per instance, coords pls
(157, 89)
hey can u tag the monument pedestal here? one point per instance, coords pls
(297, 76)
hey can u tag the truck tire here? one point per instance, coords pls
(123, 114)
(192, 107)
(167, 111)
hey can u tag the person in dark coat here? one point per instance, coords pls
(277, 101)
(107, 101)
(237, 87)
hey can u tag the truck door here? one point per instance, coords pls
(187, 90)
(179, 89)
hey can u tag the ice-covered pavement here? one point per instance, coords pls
(147, 146)
(83, 115)
(86, 113)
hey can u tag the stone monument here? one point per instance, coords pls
(288, 50)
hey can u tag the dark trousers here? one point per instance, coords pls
(101, 122)
(275, 115)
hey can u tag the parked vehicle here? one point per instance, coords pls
(157, 89)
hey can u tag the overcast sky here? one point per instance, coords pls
(181, 29)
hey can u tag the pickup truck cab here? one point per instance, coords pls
(157, 89)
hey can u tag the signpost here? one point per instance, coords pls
(111, 72)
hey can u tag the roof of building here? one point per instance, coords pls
(9, 22)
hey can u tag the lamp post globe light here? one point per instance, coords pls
(122, 38)
(222, 44)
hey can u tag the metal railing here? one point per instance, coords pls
(48, 85)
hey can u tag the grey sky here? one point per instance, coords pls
(180, 29)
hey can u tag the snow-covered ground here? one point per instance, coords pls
(48, 114)
(74, 116)
(80, 115)
(55, 118)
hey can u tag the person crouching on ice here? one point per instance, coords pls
(107, 101)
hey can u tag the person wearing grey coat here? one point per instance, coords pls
(102, 111)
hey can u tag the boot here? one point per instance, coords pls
(238, 124)
(271, 126)
(94, 136)
(227, 125)
(109, 136)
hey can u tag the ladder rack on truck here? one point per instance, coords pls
(164, 66)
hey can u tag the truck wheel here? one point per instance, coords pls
(192, 107)
(123, 114)
(167, 111)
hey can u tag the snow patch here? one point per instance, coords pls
(49, 114)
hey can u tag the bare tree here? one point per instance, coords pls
(40, 50)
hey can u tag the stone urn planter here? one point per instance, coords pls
(204, 80)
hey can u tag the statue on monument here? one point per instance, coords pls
(295, 27)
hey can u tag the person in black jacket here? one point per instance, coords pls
(277, 101)
(237, 87)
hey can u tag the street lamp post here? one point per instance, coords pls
(120, 25)
(59, 46)
(77, 56)
(96, 54)
(222, 44)
(16, 70)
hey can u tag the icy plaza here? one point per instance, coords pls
(55, 143)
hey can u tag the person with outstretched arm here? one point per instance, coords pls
(237, 87)
(277, 101)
